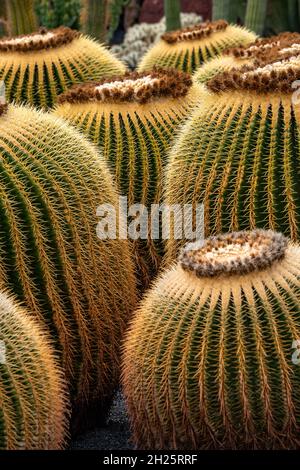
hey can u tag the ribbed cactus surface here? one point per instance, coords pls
(239, 153)
(133, 119)
(187, 49)
(209, 359)
(21, 16)
(33, 398)
(82, 287)
(38, 67)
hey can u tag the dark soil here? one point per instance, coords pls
(114, 435)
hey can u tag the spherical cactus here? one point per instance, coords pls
(133, 119)
(82, 287)
(33, 398)
(38, 67)
(239, 153)
(240, 56)
(187, 49)
(209, 359)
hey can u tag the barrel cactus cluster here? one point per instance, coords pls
(202, 336)
(132, 119)
(239, 152)
(79, 286)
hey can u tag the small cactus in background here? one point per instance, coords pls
(33, 398)
(80, 286)
(100, 19)
(208, 359)
(140, 37)
(54, 13)
(239, 153)
(21, 17)
(38, 67)
(256, 15)
(132, 119)
(172, 14)
(240, 56)
(187, 49)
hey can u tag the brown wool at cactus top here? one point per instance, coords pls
(195, 32)
(42, 39)
(233, 253)
(262, 77)
(133, 86)
(261, 46)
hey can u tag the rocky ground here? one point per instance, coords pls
(115, 435)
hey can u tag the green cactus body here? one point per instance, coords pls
(33, 398)
(256, 15)
(38, 67)
(187, 49)
(239, 153)
(21, 16)
(94, 18)
(133, 119)
(172, 14)
(210, 359)
(80, 286)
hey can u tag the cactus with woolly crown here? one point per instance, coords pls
(132, 119)
(240, 56)
(208, 356)
(38, 67)
(52, 181)
(246, 169)
(187, 49)
(33, 397)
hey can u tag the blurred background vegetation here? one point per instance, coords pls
(108, 20)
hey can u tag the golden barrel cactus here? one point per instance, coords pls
(187, 49)
(133, 120)
(37, 67)
(80, 286)
(33, 398)
(240, 56)
(239, 153)
(210, 359)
